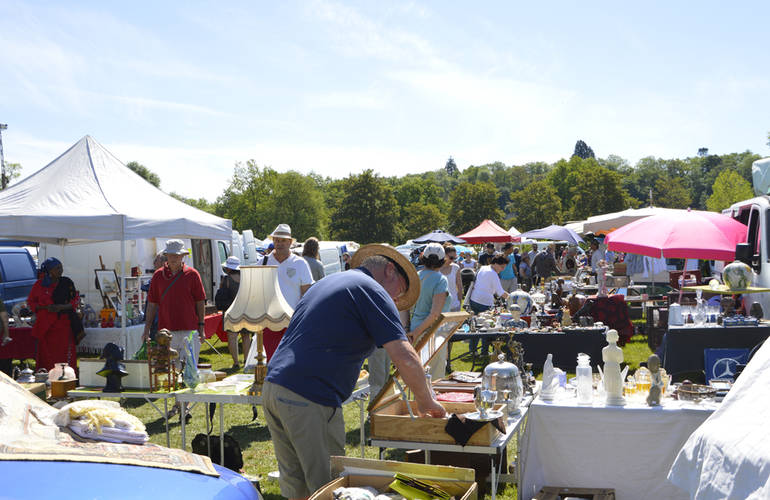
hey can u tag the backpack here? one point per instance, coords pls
(233, 453)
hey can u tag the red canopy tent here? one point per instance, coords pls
(487, 231)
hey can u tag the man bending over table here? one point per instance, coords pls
(336, 325)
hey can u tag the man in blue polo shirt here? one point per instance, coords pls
(336, 325)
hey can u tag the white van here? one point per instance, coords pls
(755, 213)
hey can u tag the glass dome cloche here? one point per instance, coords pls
(523, 300)
(737, 275)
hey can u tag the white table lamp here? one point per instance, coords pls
(258, 305)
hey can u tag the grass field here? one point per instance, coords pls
(254, 437)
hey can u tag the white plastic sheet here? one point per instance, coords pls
(728, 457)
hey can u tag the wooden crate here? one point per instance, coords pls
(559, 493)
(391, 421)
(357, 472)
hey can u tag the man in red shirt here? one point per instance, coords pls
(177, 297)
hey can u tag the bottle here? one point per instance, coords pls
(585, 390)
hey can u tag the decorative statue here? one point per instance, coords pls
(566, 319)
(161, 359)
(756, 310)
(516, 322)
(548, 391)
(601, 276)
(656, 380)
(612, 355)
(113, 369)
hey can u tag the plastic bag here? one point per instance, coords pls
(141, 354)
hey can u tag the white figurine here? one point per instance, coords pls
(548, 389)
(612, 355)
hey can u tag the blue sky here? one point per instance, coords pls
(190, 88)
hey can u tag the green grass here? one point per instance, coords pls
(254, 437)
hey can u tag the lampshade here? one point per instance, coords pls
(259, 303)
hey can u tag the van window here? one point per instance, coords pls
(222, 251)
(16, 267)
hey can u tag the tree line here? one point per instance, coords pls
(367, 207)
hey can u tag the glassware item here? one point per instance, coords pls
(206, 374)
(585, 390)
(642, 377)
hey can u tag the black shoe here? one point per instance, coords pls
(187, 418)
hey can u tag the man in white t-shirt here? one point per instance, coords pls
(294, 278)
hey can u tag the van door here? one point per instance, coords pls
(758, 228)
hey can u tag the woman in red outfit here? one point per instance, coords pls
(57, 326)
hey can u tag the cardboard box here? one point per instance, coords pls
(138, 373)
(357, 472)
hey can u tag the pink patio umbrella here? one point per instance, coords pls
(680, 234)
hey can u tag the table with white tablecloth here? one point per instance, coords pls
(628, 448)
(96, 338)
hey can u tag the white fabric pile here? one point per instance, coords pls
(364, 493)
(103, 421)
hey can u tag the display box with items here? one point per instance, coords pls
(381, 476)
(392, 412)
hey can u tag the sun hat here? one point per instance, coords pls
(282, 231)
(232, 263)
(412, 279)
(433, 249)
(175, 247)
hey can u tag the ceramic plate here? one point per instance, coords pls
(491, 415)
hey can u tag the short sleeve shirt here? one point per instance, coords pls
(336, 325)
(293, 272)
(487, 284)
(176, 309)
(431, 283)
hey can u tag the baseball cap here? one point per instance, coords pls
(433, 249)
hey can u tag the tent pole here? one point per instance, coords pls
(124, 296)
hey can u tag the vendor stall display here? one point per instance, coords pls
(587, 446)
(683, 346)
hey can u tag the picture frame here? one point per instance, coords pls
(109, 286)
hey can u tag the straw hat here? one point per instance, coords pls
(282, 231)
(413, 280)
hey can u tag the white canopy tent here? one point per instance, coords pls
(87, 195)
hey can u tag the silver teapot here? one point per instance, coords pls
(41, 375)
(504, 377)
(25, 376)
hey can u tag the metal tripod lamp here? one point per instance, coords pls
(258, 305)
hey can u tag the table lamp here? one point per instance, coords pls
(258, 305)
